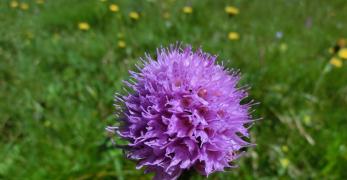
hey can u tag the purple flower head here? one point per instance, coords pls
(183, 111)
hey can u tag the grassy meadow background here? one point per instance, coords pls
(62, 60)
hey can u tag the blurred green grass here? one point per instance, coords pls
(57, 82)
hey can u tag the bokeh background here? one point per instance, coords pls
(62, 60)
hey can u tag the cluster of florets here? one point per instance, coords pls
(183, 111)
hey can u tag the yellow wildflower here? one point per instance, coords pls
(84, 26)
(233, 36)
(283, 47)
(40, 1)
(121, 44)
(187, 9)
(284, 162)
(134, 15)
(231, 10)
(336, 62)
(13, 4)
(343, 53)
(284, 148)
(307, 119)
(114, 8)
(24, 6)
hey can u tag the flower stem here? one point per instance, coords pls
(186, 175)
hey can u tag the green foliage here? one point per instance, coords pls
(57, 82)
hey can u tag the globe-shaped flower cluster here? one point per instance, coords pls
(183, 111)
